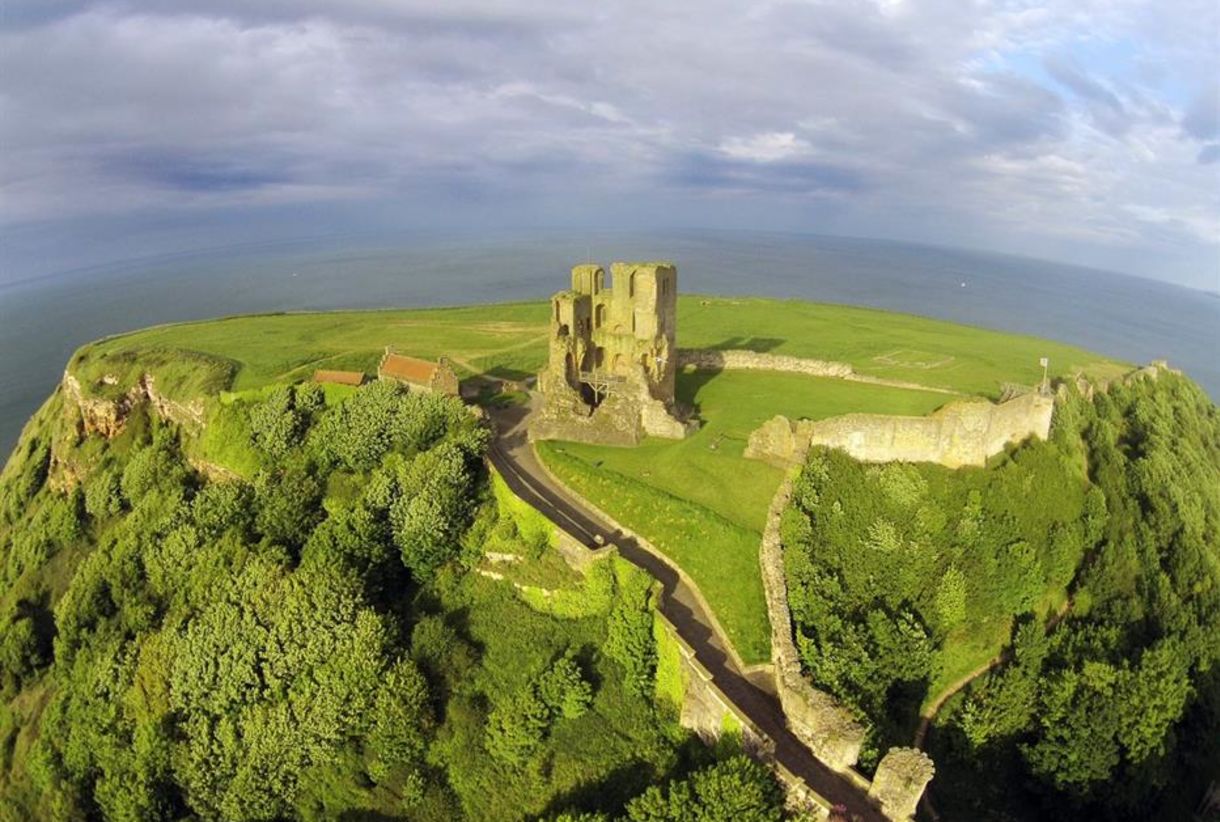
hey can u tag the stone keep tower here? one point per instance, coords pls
(612, 360)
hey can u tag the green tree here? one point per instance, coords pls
(517, 726)
(951, 598)
(737, 788)
(275, 424)
(289, 504)
(104, 495)
(435, 506)
(564, 690)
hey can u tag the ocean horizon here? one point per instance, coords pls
(44, 319)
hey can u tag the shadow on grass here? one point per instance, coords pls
(503, 372)
(759, 345)
(688, 386)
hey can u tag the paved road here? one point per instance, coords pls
(515, 460)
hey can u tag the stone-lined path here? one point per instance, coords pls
(513, 457)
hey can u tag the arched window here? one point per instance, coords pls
(631, 285)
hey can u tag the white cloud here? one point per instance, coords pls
(766, 147)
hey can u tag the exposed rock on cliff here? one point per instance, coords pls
(108, 417)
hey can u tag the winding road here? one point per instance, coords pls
(513, 457)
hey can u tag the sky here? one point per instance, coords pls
(1086, 132)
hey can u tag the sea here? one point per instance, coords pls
(43, 320)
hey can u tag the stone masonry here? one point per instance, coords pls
(827, 728)
(961, 433)
(900, 781)
(612, 357)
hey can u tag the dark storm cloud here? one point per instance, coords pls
(980, 119)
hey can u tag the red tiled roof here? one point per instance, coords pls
(411, 369)
(339, 377)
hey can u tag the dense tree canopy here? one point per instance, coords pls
(893, 568)
(307, 641)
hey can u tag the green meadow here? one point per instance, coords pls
(883, 344)
(509, 340)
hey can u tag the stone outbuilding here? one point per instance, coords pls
(612, 359)
(437, 377)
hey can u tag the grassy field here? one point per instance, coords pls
(881, 343)
(503, 340)
(509, 340)
(699, 500)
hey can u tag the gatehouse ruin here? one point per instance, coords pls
(612, 362)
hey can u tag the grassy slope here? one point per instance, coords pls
(699, 500)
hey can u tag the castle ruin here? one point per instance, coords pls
(613, 358)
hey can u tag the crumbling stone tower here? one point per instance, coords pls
(612, 361)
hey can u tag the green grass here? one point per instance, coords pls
(178, 372)
(506, 340)
(509, 340)
(881, 343)
(670, 677)
(720, 556)
(965, 650)
(699, 500)
(225, 441)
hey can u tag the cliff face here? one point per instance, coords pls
(108, 417)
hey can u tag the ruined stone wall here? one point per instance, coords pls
(706, 359)
(564, 416)
(959, 434)
(827, 728)
(445, 380)
(901, 777)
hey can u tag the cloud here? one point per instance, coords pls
(767, 147)
(1202, 119)
(1023, 128)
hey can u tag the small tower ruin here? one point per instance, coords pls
(611, 368)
